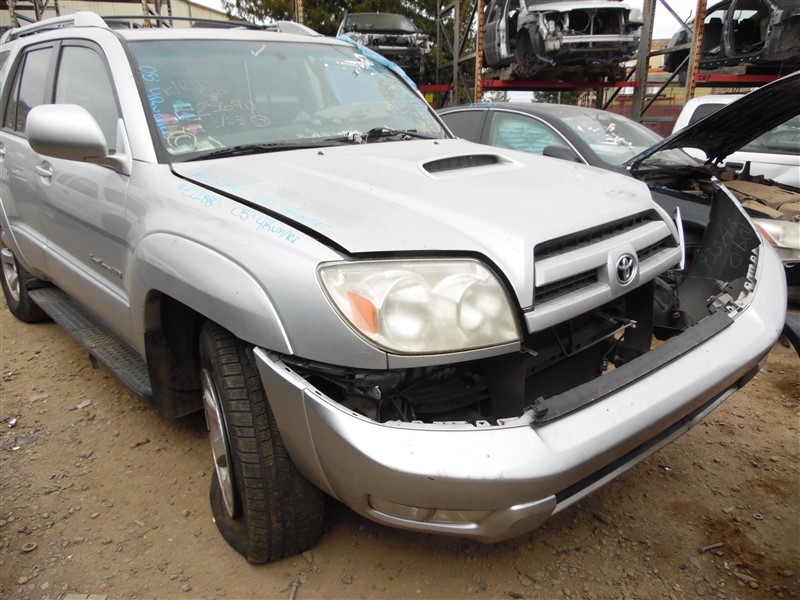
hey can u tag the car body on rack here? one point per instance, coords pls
(278, 230)
(561, 39)
(764, 33)
(391, 35)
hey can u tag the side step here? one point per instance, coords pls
(99, 342)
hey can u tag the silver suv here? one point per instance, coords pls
(277, 229)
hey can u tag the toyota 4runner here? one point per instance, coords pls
(278, 230)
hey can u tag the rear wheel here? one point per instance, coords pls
(262, 505)
(14, 280)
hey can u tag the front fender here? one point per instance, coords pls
(207, 282)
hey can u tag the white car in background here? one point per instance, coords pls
(775, 155)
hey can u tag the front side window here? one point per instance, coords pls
(518, 132)
(212, 95)
(83, 80)
(28, 89)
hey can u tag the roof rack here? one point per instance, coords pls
(136, 21)
(78, 19)
(91, 19)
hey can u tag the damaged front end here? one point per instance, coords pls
(407, 50)
(562, 356)
(774, 208)
(490, 448)
(575, 40)
(393, 36)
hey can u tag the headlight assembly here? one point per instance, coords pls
(422, 306)
(783, 235)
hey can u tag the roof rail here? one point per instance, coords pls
(146, 21)
(78, 19)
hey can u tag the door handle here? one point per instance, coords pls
(44, 170)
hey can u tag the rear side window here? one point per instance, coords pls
(466, 124)
(28, 90)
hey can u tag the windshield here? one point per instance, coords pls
(616, 139)
(784, 139)
(205, 96)
(378, 22)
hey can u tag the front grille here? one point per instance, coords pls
(584, 238)
(557, 289)
(654, 249)
(575, 273)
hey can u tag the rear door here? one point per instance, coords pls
(28, 86)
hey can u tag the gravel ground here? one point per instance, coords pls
(100, 496)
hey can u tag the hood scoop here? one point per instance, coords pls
(466, 161)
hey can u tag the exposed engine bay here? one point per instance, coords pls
(759, 196)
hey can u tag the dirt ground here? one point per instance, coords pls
(99, 495)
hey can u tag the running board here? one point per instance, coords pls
(99, 342)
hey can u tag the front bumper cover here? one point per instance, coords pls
(494, 482)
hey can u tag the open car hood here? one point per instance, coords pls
(737, 124)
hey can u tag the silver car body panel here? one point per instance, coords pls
(433, 211)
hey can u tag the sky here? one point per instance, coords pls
(665, 24)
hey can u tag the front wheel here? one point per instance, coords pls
(14, 281)
(262, 505)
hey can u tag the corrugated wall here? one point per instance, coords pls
(180, 8)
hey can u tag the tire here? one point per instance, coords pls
(264, 508)
(15, 281)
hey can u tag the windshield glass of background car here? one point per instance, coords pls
(209, 95)
(784, 139)
(379, 22)
(616, 139)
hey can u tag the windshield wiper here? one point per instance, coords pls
(379, 133)
(245, 149)
(385, 132)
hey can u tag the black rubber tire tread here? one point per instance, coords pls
(24, 309)
(279, 512)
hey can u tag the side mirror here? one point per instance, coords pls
(70, 132)
(65, 131)
(561, 152)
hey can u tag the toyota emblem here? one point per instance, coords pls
(626, 269)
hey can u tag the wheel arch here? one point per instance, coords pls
(179, 284)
